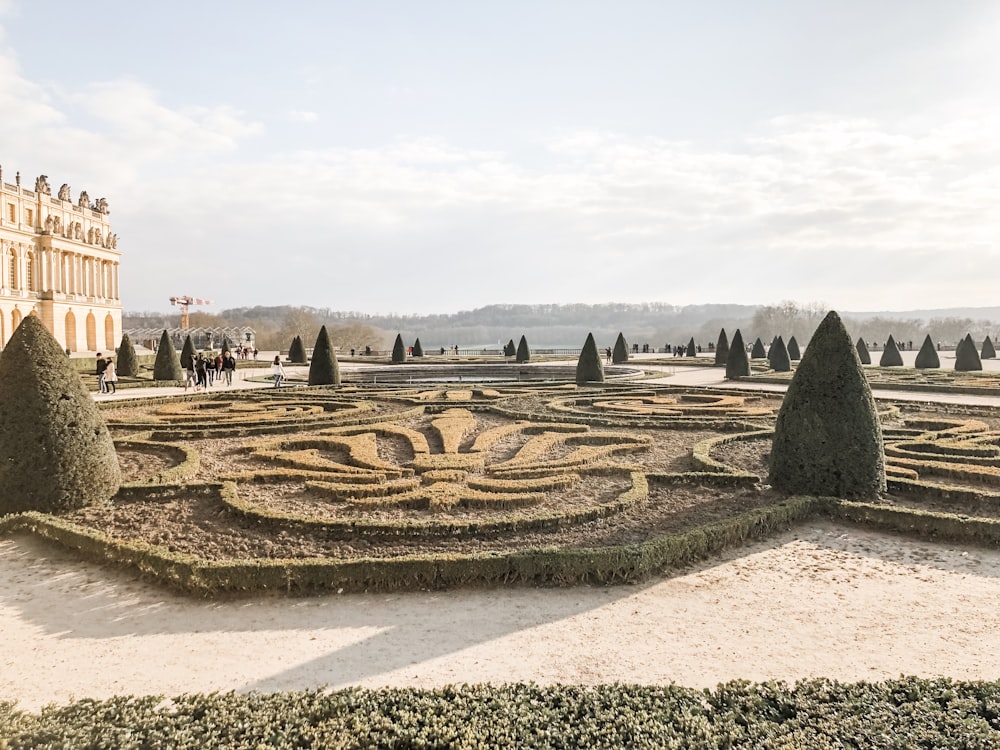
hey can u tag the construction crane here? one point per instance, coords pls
(185, 302)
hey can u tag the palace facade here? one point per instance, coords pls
(59, 260)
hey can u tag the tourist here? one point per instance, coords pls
(201, 370)
(228, 367)
(277, 371)
(608, 353)
(110, 377)
(102, 366)
(190, 378)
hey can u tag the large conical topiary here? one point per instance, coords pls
(692, 350)
(737, 363)
(509, 350)
(167, 366)
(127, 364)
(297, 352)
(323, 368)
(793, 350)
(722, 349)
(864, 356)
(966, 356)
(827, 438)
(398, 350)
(619, 354)
(927, 358)
(757, 351)
(418, 350)
(188, 353)
(589, 368)
(523, 352)
(890, 355)
(56, 453)
(989, 351)
(777, 356)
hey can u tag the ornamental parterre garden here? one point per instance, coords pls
(370, 487)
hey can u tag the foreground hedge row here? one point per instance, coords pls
(904, 713)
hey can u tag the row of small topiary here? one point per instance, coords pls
(967, 359)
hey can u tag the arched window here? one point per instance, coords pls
(109, 332)
(91, 332)
(15, 319)
(71, 331)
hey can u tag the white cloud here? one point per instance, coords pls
(302, 116)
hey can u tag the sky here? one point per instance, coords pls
(420, 157)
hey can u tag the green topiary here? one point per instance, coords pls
(128, 363)
(890, 355)
(722, 349)
(297, 352)
(509, 350)
(188, 353)
(418, 351)
(589, 368)
(989, 352)
(757, 350)
(523, 352)
(227, 345)
(398, 350)
(966, 356)
(827, 438)
(927, 357)
(793, 350)
(737, 363)
(323, 368)
(777, 356)
(619, 354)
(692, 350)
(862, 349)
(167, 366)
(56, 452)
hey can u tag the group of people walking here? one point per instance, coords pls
(107, 377)
(203, 371)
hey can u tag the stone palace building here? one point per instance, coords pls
(59, 261)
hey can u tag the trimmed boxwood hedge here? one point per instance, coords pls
(757, 351)
(966, 356)
(619, 354)
(793, 350)
(722, 349)
(927, 357)
(523, 352)
(863, 354)
(777, 356)
(589, 368)
(398, 350)
(737, 362)
(127, 364)
(890, 355)
(167, 367)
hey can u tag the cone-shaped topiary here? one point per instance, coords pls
(619, 354)
(297, 352)
(777, 356)
(890, 355)
(589, 368)
(793, 350)
(966, 356)
(418, 351)
(692, 350)
(737, 363)
(863, 355)
(227, 345)
(509, 350)
(398, 350)
(128, 363)
(523, 352)
(323, 368)
(56, 452)
(927, 357)
(188, 353)
(167, 366)
(757, 351)
(827, 438)
(722, 349)
(989, 352)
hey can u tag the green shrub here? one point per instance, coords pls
(827, 437)
(989, 352)
(589, 368)
(188, 353)
(757, 350)
(966, 356)
(722, 349)
(297, 352)
(863, 355)
(55, 450)
(523, 352)
(793, 350)
(127, 364)
(890, 355)
(323, 368)
(619, 354)
(692, 350)
(166, 366)
(509, 350)
(777, 356)
(737, 362)
(398, 350)
(227, 345)
(927, 357)
(418, 350)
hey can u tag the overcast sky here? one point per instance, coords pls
(437, 156)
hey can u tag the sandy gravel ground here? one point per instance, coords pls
(820, 600)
